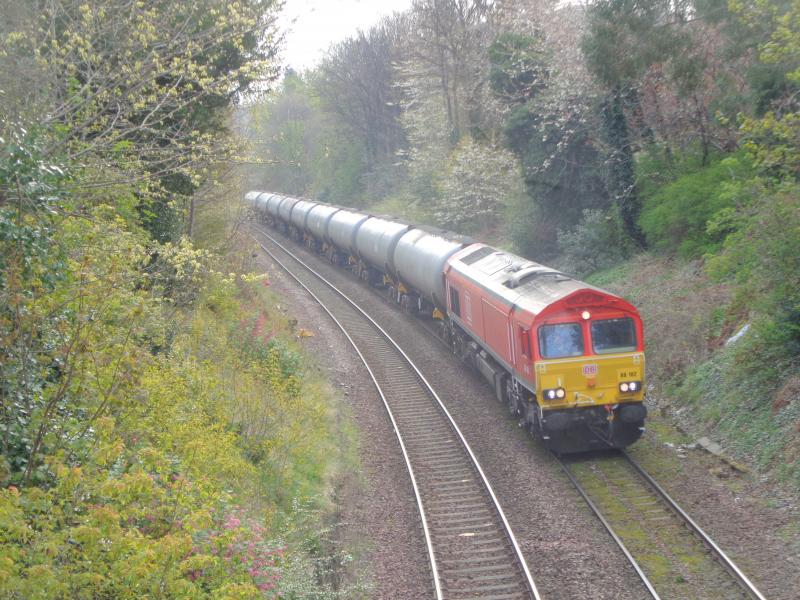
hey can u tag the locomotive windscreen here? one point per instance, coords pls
(561, 340)
(613, 335)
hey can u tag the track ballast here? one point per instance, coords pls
(672, 555)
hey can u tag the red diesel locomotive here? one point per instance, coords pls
(565, 356)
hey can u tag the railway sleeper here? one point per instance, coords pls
(486, 588)
(454, 519)
(509, 596)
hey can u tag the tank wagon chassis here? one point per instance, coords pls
(577, 387)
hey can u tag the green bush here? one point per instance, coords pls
(746, 393)
(675, 217)
(761, 257)
(595, 243)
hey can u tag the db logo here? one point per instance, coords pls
(589, 370)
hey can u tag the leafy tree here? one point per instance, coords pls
(136, 90)
(560, 165)
(773, 136)
(595, 243)
(286, 130)
(479, 182)
(623, 40)
(691, 215)
(518, 71)
(357, 82)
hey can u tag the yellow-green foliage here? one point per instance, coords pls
(773, 137)
(147, 438)
(161, 459)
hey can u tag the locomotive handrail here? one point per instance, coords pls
(529, 272)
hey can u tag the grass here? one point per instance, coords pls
(611, 276)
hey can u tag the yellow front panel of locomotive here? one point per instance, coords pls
(590, 380)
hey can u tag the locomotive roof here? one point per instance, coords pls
(517, 280)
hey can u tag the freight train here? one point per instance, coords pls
(565, 356)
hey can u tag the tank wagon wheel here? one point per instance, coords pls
(404, 302)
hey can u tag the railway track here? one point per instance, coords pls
(472, 551)
(672, 555)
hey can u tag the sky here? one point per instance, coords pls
(311, 26)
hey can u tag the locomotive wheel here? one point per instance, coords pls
(514, 404)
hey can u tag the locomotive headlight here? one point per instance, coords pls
(554, 393)
(630, 386)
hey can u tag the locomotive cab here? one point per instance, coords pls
(589, 364)
(566, 356)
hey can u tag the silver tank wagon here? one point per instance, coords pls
(273, 203)
(376, 240)
(285, 209)
(318, 219)
(262, 201)
(419, 259)
(251, 197)
(343, 227)
(300, 214)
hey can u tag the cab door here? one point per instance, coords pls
(522, 336)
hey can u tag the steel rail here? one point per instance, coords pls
(641, 574)
(729, 565)
(473, 459)
(658, 492)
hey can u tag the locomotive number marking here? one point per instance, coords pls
(632, 374)
(590, 370)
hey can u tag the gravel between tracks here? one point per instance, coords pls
(568, 552)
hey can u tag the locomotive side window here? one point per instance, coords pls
(560, 341)
(613, 335)
(455, 306)
(525, 341)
